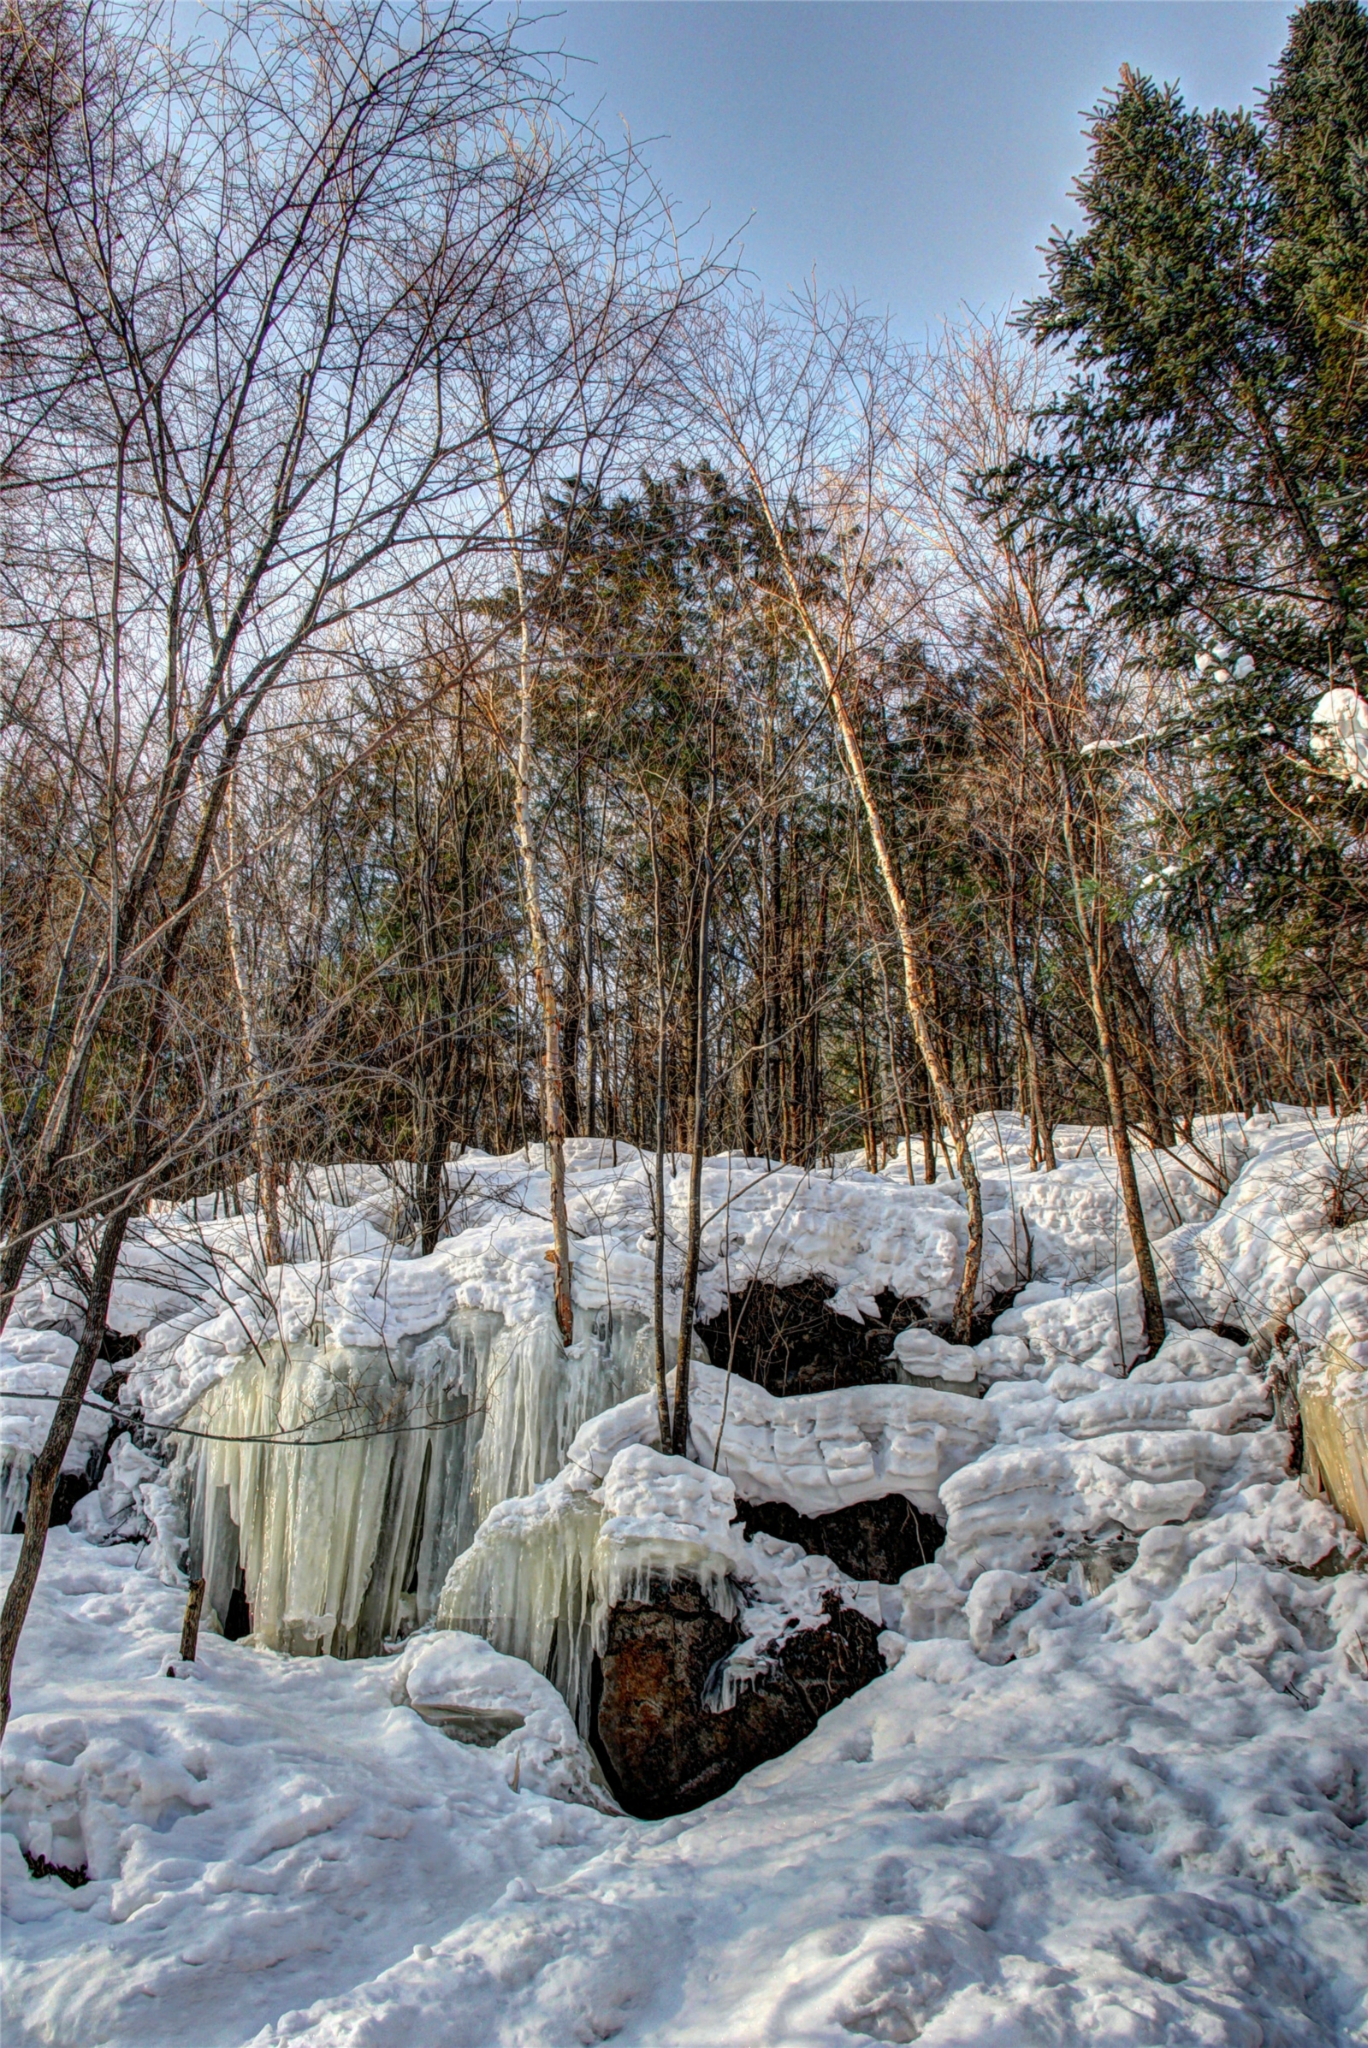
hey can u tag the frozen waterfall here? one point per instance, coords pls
(342, 1480)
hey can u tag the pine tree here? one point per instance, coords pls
(1205, 468)
(1207, 464)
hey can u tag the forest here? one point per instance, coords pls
(480, 679)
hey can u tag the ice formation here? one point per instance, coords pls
(343, 1479)
(545, 1570)
(1332, 1397)
(1073, 1444)
(1072, 1452)
(351, 1418)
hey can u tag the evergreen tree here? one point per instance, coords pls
(1207, 464)
(1205, 469)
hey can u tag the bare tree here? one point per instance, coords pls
(808, 407)
(976, 399)
(248, 308)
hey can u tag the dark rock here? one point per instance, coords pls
(874, 1539)
(237, 1622)
(40, 1867)
(662, 1750)
(116, 1346)
(787, 1340)
(70, 1487)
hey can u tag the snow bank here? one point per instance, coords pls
(1274, 1239)
(822, 1452)
(462, 1685)
(1110, 1791)
(1080, 1454)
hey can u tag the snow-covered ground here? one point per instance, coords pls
(1136, 1818)
(1112, 1788)
(257, 1827)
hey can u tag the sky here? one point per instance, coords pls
(912, 152)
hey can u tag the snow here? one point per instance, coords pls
(194, 1284)
(1079, 1454)
(462, 1685)
(254, 1826)
(1339, 736)
(33, 1369)
(823, 1452)
(1131, 1818)
(428, 1389)
(1109, 1790)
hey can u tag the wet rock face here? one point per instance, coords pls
(874, 1539)
(662, 1750)
(788, 1341)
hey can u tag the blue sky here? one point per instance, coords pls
(916, 153)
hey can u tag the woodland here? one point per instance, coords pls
(472, 674)
(478, 676)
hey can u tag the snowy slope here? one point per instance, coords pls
(255, 1828)
(1146, 1827)
(1112, 1790)
(1136, 1832)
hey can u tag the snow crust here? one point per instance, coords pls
(194, 1285)
(822, 1452)
(1339, 736)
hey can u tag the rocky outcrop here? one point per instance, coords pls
(789, 1341)
(873, 1539)
(663, 1749)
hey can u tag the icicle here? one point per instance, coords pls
(345, 1533)
(538, 1395)
(526, 1585)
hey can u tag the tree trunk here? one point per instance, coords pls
(700, 1118)
(1094, 946)
(268, 1180)
(662, 1108)
(914, 987)
(553, 1091)
(1042, 1130)
(47, 1466)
